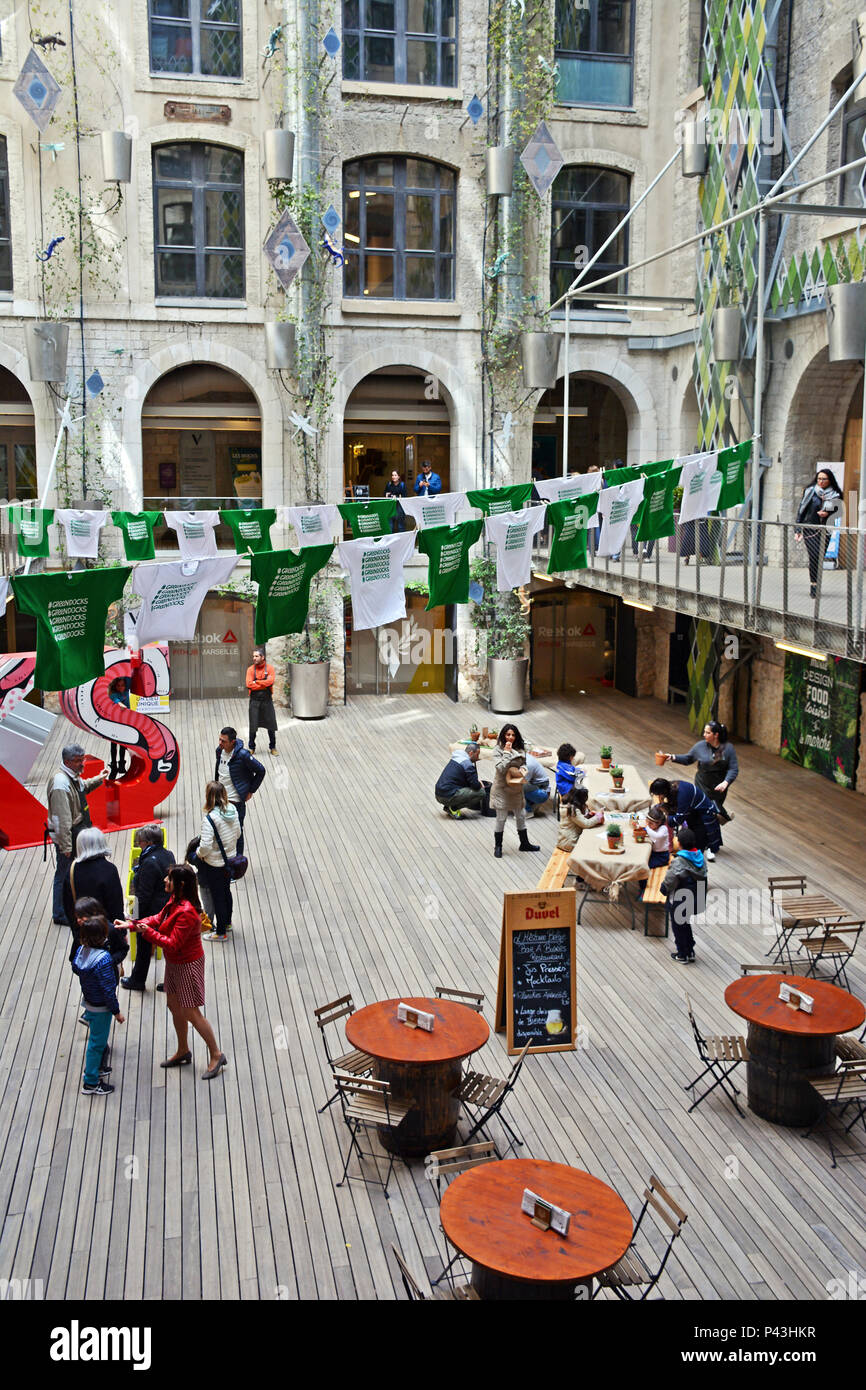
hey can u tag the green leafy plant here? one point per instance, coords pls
(616, 771)
(613, 830)
(318, 641)
(499, 616)
(606, 751)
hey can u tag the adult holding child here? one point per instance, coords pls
(509, 786)
(717, 763)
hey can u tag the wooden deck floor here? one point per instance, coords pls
(172, 1188)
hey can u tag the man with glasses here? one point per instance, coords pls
(67, 816)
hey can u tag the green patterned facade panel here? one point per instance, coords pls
(703, 669)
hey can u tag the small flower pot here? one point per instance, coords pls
(617, 782)
(640, 834)
(614, 841)
(605, 762)
(660, 759)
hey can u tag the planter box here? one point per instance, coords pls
(279, 152)
(116, 156)
(846, 322)
(47, 344)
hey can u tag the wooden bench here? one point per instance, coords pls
(556, 871)
(652, 896)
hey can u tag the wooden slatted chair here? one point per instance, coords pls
(779, 885)
(415, 1294)
(832, 942)
(461, 996)
(720, 1055)
(850, 1049)
(486, 1096)
(358, 1063)
(631, 1272)
(841, 1088)
(367, 1104)
(447, 1164)
(794, 968)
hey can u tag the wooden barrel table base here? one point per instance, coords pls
(432, 1120)
(489, 1284)
(778, 1075)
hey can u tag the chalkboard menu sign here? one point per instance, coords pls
(537, 996)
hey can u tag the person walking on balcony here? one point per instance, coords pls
(821, 500)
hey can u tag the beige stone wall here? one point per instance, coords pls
(765, 709)
(653, 630)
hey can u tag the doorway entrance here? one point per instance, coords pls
(395, 419)
(597, 428)
(573, 640)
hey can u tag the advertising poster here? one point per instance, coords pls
(820, 705)
(246, 471)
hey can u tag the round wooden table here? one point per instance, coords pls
(511, 1258)
(788, 1046)
(422, 1067)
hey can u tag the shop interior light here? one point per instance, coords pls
(635, 603)
(634, 308)
(801, 651)
(548, 578)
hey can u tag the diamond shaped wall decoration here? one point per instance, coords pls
(331, 43)
(94, 384)
(37, 90)
(542, 159)
(331, 220)
(286, 249)
(476, 110)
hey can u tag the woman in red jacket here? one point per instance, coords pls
(177, 929)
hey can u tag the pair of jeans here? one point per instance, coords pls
(220, 885)
(533, 796)
(100, 1029)
(816, 543)
(61, 874)
(241, 808)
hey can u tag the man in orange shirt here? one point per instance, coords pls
(260, 684)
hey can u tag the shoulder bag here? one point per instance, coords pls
(238, 864)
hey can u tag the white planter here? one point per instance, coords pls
(540, 353)
(47, 344)
(507, 684)
(846, 322)
(500, 171)
(280, 346)
(727, 326)
(309, 688)
(694, 150)
(279, 153)
(116, 156)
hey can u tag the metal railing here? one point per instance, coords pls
(705, 570)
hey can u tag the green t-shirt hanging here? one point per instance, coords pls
(493, 500)
(70, 611)
(613, 477)
(283, 577)
(251, 528)
(137, 528)
(447, 549)
(569, 519)
(650, 470)
(657, 507)
(732, 466)
(368, 519)
(31, 525)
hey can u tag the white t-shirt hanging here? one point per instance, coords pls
(376, 578)
(315, 525)
(172, 595)
(513, 534)
(82, 531)
(616, 507)
(195, 533)
(698, 485)
(566, 489)
(439, 510)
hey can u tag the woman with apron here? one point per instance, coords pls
(717, 765)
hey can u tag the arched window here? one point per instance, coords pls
(198, 204)
(5, 227)
(195, 37)
(594, 43)
(398, 220)
(587, 203)
(409, 41)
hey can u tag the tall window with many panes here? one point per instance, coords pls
(587, 203)
(198, 197)
(5, 226)
(594, 47)
(398, 229)
(195, 37)
(408, 41)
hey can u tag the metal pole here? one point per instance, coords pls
(565, 386)
(860, 534)
(759, 392)
(628, 216)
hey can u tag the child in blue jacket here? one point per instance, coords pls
(96, 971)
(566, 772)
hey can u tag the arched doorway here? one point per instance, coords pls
(690, 420)
(597, 427)
(17, 440)
(201, 444)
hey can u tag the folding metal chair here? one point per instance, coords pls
(631, 1272)
(367, 1104)
(487, 1095)
(460, 996)
(833, 942)
(447, 1163)
(720, 1056)
(795, 968)
(414, 1292)
(841, 1088)
(358, 1063)
(786, 883)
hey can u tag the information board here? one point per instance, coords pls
(820, 706)
(537, 993)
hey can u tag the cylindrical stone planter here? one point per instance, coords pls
(280, 346)
(500, 171)
(116, 156)
(846, 322)
(727, 325)
(279, 153)
(507, 684)
(694, 150)
(47, 344)
(309, 689)
(540, 354)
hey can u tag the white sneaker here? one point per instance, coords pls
(708, 854)
(213, 936)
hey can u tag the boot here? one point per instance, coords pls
(497, 841)
(524, 841)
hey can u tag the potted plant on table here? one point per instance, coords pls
(613, 831)
(605, 753)
(638, 830)
(617, 775)
(309, 652)
(474, 734)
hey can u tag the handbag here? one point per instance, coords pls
(191, 856)
(238, 864)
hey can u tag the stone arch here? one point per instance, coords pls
(220, 354)
(46, 421)
(811, 434)
(689, 420)
(613, 370)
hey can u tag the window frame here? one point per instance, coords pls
(594, 55)
(849, 116)
(5, 193)
(400, 190)
(200, 187)
(401, 35)
(604, 267)
(194, 23)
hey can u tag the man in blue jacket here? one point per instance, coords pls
(240, 773)
(459, 789)
(428, 483)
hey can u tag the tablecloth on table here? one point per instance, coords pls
(610, 870)
(634, 796)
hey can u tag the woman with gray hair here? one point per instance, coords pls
(92, 875)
